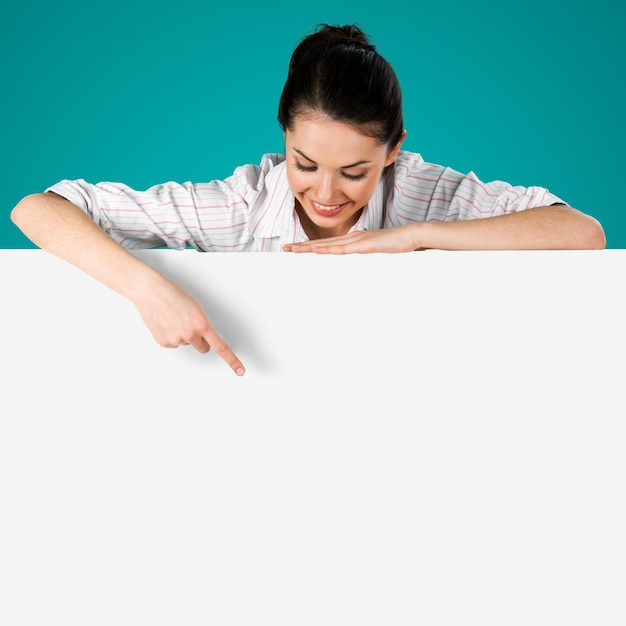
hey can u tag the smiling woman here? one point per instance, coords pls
(343, 185)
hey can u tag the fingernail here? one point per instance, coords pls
(239, 371)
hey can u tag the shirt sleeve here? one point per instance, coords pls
(206, 216)
(427, 192)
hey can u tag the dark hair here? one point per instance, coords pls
(336, 72)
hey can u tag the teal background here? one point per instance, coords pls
(143, 92)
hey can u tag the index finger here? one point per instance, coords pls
(324, 242)
(224, 351)
(328, 246)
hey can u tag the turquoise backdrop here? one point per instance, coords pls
(143, 92)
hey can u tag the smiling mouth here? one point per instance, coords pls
(327, 210)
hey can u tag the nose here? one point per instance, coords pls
(326, 189)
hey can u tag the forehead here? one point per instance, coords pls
(321, 138)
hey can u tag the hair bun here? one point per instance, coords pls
(348, 34)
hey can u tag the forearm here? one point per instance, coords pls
(173, 316)
(557, 227)
(57, 226)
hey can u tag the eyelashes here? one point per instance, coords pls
(305, 168)
(353, 177)
(302, 168)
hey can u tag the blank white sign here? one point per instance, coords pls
(426, 438)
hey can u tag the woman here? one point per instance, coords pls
(342, 186)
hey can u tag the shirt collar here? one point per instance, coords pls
(273, 208)
(373, 214)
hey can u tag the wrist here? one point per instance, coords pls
(416, 234)
(141, 283)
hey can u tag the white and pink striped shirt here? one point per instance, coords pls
(254, 211)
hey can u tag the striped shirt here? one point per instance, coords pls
(253, 210)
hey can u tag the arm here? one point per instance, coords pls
(172, 315)
(558, 227)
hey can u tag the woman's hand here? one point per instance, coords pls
(398, 239)
(173, 317)
(176, 319)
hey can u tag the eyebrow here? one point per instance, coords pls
(344, 167)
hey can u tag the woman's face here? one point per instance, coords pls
(332, 171)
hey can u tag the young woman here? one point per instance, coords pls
(343, 185)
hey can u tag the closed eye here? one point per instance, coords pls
(304, 168)
(312, 168)
(353, 176)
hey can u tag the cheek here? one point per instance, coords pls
(297, 181)
(364, 190)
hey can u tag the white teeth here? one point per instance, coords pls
(324, 207)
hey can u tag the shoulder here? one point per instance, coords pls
(258, 176)
(410, 167)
